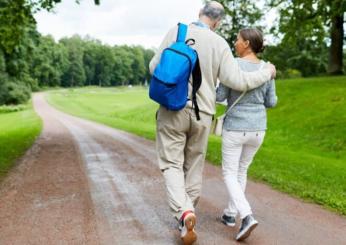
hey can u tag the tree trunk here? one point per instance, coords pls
(335, 66)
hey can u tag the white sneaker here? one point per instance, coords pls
(247, 226)
(228, 220)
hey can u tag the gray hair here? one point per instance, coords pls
(213, 10)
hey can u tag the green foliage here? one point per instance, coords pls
(104, 65)
(2, 62)
(15, 18)
(90, 60)
(18, 130)
(26, 59)
(309, 60)
(292, 73)
(239, 14)
(304, 22)
(49, 62)
(123, 73)
(300, 20)
(50, 4)
(148, 55)
(138, 65)
(309, 31)
(12, 108)
(304, 152)
(75, 74)
(13, 93)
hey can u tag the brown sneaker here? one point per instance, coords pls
(188, 234)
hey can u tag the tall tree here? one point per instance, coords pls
(104, 65)
(90, 60)
(16, 15)
(75, 74)
(17, 36)
(138, 65)
(148, 55)
(49, 62)
(239, 14)
(122, 72)
(314, 20)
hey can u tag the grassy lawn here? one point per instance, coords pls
(304, 150)
(18, 131)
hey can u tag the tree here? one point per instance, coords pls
(49, 62)
(16, 15)
(124, 53)
(310, 60)
(75, 74)
(148, 55)
(239, 14)
(138, 65)
(122, 73)
(15, 18)
(90, 60)
(2, 63)
(104, 65)
(17, 37)
(312, 20)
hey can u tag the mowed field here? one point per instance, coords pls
(304, 149)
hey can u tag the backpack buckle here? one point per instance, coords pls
(190, 42)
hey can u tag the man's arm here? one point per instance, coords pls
(231, 75)
(167, 41)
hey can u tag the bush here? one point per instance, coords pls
(12, 93)
(30, 82)
(289, 73)
(292, 73)
(12, 108)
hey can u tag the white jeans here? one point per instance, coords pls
(238, 150)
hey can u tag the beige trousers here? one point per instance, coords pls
(181, 143)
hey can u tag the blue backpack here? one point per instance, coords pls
(169, 83)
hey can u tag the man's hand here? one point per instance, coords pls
(272, 69)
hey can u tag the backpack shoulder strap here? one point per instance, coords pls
(196, 84)
(182, 30)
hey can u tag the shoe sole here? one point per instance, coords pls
(191, 235)
(247, 233)
(227, 224)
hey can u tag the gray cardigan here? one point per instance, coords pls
(249, 114)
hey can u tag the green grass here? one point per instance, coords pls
(304, 153)
(18, 130)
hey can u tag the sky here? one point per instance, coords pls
(131, 22)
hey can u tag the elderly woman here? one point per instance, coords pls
(243, 131)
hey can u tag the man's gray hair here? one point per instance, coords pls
(213, 11)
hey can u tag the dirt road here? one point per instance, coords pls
(85, 183)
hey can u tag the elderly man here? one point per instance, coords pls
(181, 139)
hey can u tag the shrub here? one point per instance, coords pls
(12, 108)
(292, 73)
(289, 73)
(12, 93)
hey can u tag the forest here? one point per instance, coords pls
(309, 38)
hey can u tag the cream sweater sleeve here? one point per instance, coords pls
(167, 41)
(232, 76)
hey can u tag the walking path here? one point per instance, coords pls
(86, 183)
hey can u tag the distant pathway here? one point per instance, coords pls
(86, 183)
